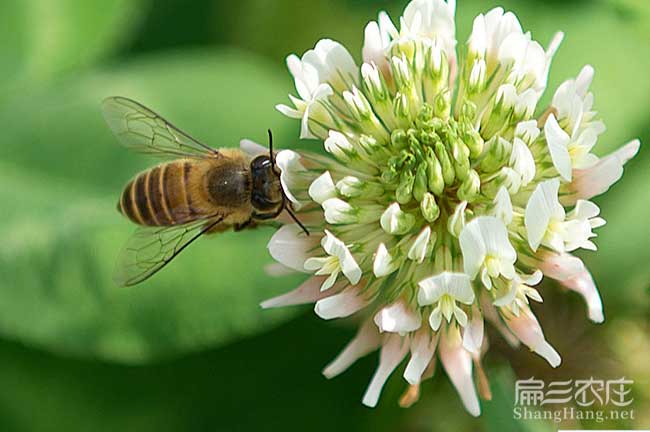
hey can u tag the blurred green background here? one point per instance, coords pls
(191, 349)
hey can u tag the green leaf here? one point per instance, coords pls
(48, 38)
(63, 172)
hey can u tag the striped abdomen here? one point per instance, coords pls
(162, 195)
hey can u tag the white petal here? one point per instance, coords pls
(584, 285)
(420, 246)
(522, 161)
(432, 19)
(478, 40)
(289, 112)
(435, 319)
(373, 47)
(423, 346)
(291, 247)
(492, 316)
(458, 365)
(398, 318)
(509, 297)
(456, 222)
(395, 221)
(600, 177)
(482, 236)
(322, 188)
(503, 206)
(527, 131)
(473, 333)
(558, 141)
(289, 164)
(384, 264)
(584, 80)
(584, 210)
(308, 292)
(365, 342)
(527, 329)
(340, 305)
(336, 247)
(561, 267)
(542, 206)
(473, 249)
(392, 354)
(456, 285)
(252, 148)
(338, 211)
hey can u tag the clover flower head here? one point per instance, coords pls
(447, 192)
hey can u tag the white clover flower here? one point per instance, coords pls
(440, 212)
(339, 260)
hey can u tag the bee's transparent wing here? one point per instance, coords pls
(140, 129)
(151, 248)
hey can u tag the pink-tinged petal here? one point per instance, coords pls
(308, 292)
(561, 267)
(473, 332)
(527, 329)
(291, 247)
(392, 353)
(597, 179)
(423, 346)
(278, 269)
(458, 365)
(492, 316)
(366, 341)
(584, 285)
(398, 318)
(341, 305)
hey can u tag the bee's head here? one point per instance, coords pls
(268, 195)
(267, 189)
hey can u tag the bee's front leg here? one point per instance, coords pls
(250, 223)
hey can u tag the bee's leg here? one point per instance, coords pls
(218, 228)
(250, 223)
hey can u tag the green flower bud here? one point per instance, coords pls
(420, 184)
(401, 107)
(428, 138)
(474, 142)
(404, 191)
(425, 115)
(429, 208)
(389, 175)
(448, 173)
(470, 187)
(497, 154)
(398, 139)
(442, 104)
(460, 154)
(468, 112)
(368, 143)
(434, 174)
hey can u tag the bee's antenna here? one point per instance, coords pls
(295, 218)
(271, 148)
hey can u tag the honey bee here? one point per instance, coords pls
(202, 190)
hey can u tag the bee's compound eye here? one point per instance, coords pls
(261, 163)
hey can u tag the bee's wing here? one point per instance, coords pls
(151, 248)
(140, 129)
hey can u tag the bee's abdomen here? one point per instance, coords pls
(159, 197)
